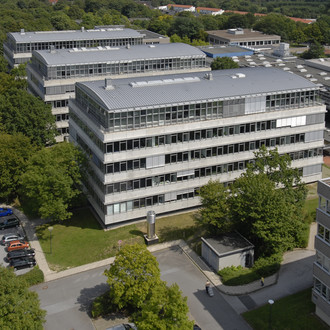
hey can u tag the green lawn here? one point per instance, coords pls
(81, 240)
(294, 312)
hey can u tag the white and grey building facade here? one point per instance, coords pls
(19, 46)
(153, 142)
(52, 74)
(321, 267)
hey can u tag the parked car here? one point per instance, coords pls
(22, 263)
(17, 245)
(124, 326)
(9, 221)
(10, 237)
(5, 211)
(20, 254)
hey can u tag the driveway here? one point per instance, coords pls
(67, 300)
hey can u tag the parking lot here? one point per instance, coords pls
(3, 252)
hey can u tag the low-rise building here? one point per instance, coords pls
(53, 73)
(209, 11)
(321, 268)
(241, 37)
(154, 141)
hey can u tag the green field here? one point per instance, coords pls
(81, 240)
(295, 312)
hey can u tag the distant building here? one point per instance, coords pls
(209, 11)
(321, 269)
(53, 73)
(241, 37)
(19, 46)
(180, 8)
(154, 141)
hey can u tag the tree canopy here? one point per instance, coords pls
(135, 285)
(264, 204)
(52, 180)
(19, 307)
(15, 151)
(132, 276)
(221, 63)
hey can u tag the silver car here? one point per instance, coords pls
(10, 237)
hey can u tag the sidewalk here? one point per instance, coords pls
(29, 227)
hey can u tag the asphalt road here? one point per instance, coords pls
(67, 300)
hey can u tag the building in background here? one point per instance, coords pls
(19, 46)
(321, 268)
(209, 11)
(241, 37)
(154, 141)
(53, 73)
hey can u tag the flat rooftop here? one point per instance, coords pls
(137, 93)
(224, 49)
(247, 34)
(228, 243)
(83, 34)
(115, 54)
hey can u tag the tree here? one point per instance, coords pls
(21, 112)
(52, 180)
(214, 214)
(15, 150)
(266, 203)
(221, 63)
(166, 309)
(187, 26)
(19, 307)
(316, 50)
(133, 276)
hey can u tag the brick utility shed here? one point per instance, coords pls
(230, 249)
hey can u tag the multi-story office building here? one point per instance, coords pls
(153, 141)
(321, 269)
(19, 46)
(53, 73)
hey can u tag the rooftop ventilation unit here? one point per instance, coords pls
(108, 84)
(208, 76)
(82, 29)
(22, 31)
(128, 46)
(240, 75)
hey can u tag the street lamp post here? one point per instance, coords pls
(50, 238)
(270, 302)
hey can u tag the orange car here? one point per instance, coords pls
(17, 245)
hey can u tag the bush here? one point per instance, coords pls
(263, 267)
(268, 266)
(33, 277)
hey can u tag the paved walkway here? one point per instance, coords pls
(289, 257)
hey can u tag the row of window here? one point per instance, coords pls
(30, 46)
(129, 67)
(135, 164)
(169, 178)
(62, 117)
(323, 232)
(139, 203)
(169, 115)
(322, 289)
(161, 180)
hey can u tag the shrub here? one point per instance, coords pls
(237, 275)
(268, 266)
(33, 277)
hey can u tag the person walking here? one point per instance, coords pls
(207, 285)
(262, 281)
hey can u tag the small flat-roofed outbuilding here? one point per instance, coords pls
(227, 250)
